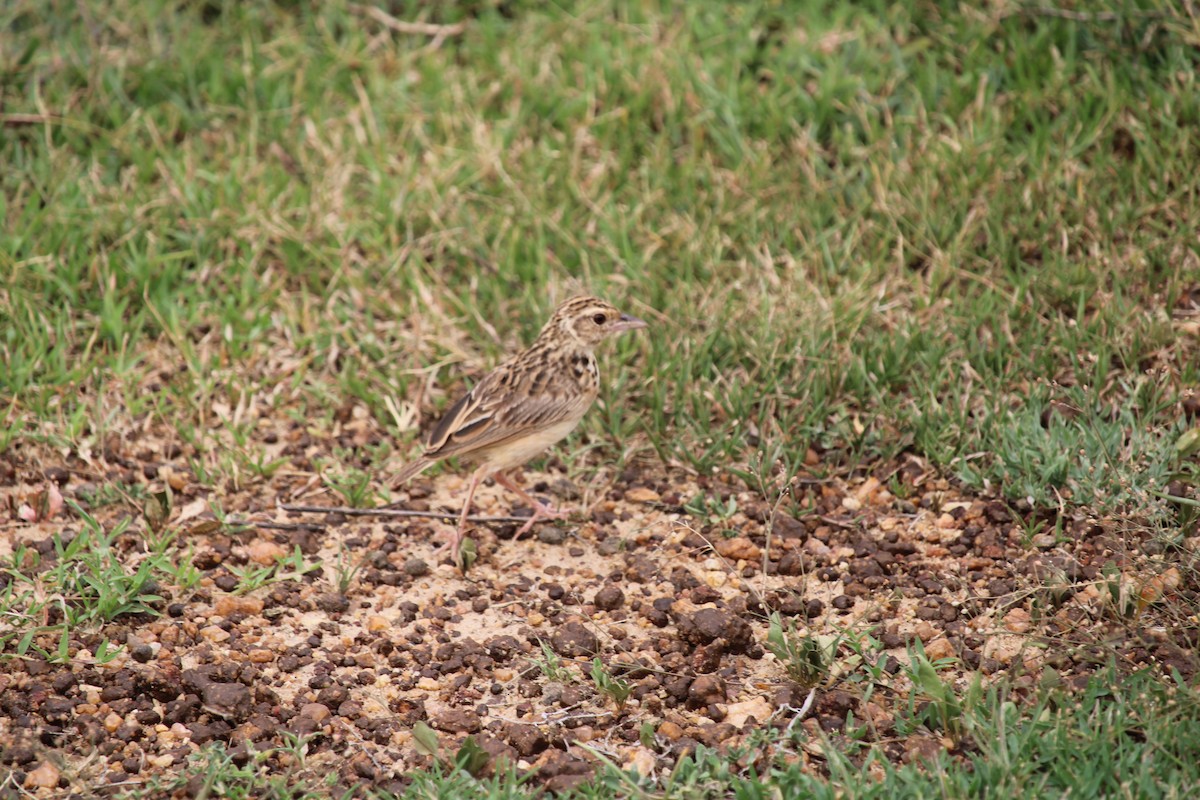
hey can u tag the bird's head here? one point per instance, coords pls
(589, 321)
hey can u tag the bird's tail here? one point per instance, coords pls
(411, 471)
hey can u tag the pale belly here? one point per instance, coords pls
(518, 451)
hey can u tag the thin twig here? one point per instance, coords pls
(279, 526)
(412, 28)
(846, 525)
(391, 512)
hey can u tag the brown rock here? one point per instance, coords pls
(527, 740)
(792, 563)
(562, 772)
(670, 731)
(707, 657)
(363, 766)
(265, 552)
(706, 690)
(317, 712)
(788, 527)
(714, 733)
(757, 708)
(739, 548)
(227, 700)
(608, 598)
(641, 494)
(503, 756)
(457, 720)
(921, 748)
(1018, 620)
(677, 687)
(574, 641)
(229, 604)
(333, 603)
(706, 625)
(939, 648)
(214, 634)
(44, 776)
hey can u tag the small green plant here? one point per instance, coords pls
(214, 772)
(345, 570)
(111, 494)
(296, 746)
(1033, 527)
(94, 583)
(550, 665)
(86, 586)
(470, 757)
(287, 568)
(1118, 591)
(647, 735)
(354, 485)
(898, 488)
(712, 510)
(865, 663)
(178, 566)
(610, 686)
(260, 465)
(804, 658)
(942, 709)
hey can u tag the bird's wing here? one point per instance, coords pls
(490, 414)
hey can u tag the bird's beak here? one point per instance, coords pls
(628, 323)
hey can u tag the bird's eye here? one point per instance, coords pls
(599, 319)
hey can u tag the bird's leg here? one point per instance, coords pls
(456, 538)
(541, 511)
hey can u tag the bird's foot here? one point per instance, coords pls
(541, 512)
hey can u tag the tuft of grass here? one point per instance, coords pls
(607, 684)
(85, 584)
(290, 567)
(551, 666)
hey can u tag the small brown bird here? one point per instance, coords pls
(526, 404)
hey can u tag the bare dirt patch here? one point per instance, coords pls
(673, 601)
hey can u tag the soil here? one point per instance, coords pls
(674, 605)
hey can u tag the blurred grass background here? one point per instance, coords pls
(866, 227)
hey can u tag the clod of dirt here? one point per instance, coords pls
(563, 772)
(705, 691)
(706, 625)
(230, 700)
(456, 720)
(333, 603)
(527, 740)
(573, 640)
(608, 598)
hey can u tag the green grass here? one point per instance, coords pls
(86, 582)
(873, 228)
(866, 228)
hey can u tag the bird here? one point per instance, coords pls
(525, 405)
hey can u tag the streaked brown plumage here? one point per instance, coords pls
(526, 404)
